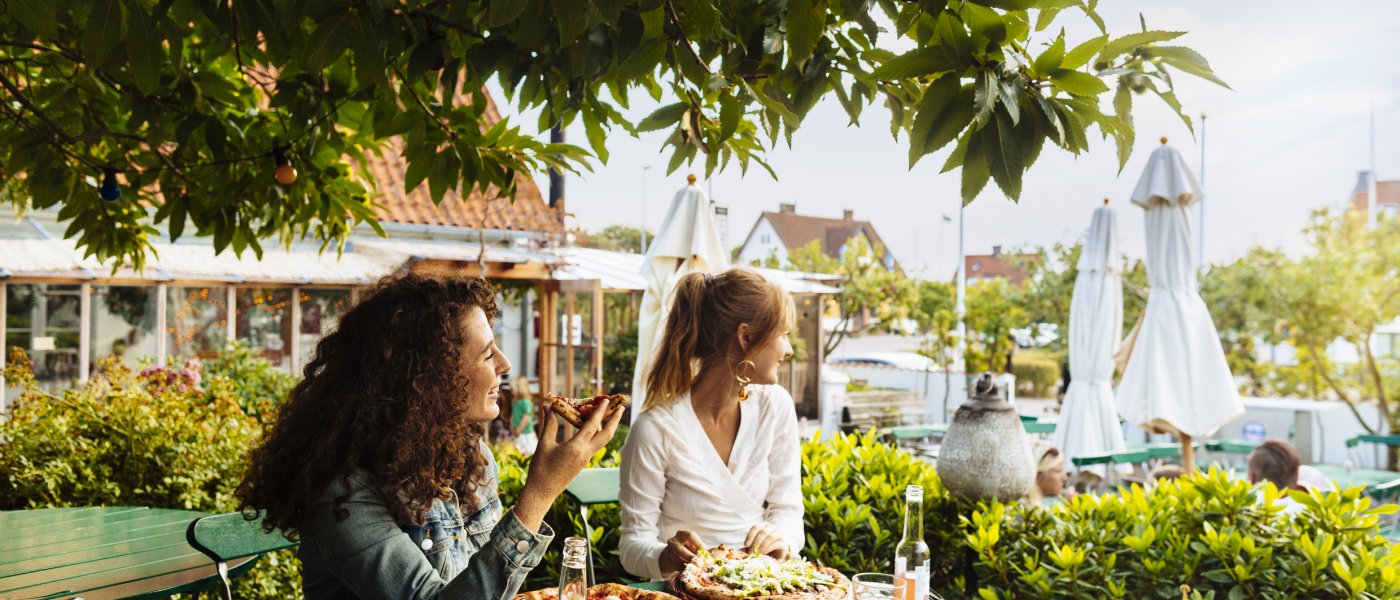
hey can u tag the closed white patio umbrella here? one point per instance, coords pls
(1089, 420)
(1176, 380)
(688, 242)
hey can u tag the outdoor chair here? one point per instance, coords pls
(592, 487)
(1357, 454)
(229, 536)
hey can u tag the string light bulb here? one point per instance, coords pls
(109, 190)
(286, 174)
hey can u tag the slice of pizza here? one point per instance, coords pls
(577, 410)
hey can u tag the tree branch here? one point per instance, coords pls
(19, 97)
(1327, 378)
(32, 46)
(676, 20)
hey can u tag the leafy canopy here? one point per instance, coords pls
(187, 103)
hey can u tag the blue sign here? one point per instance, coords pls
(1253, 431)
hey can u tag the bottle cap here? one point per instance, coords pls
(914, 492)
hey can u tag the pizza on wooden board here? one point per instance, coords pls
(727, 574)
(577, 410)
(602, 591)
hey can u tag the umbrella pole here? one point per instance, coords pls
(1188, 454)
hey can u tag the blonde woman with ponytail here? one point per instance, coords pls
(714, 456)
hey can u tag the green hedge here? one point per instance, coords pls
(1037, 373)
(1207, 532)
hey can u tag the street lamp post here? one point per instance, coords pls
(644, 209)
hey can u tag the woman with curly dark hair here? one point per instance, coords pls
(378, 462)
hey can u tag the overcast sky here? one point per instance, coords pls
(1289, 138)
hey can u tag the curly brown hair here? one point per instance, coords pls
(377, 388)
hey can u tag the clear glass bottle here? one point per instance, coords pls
(573, 574)
(911, 556)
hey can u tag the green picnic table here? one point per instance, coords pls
(103, 552)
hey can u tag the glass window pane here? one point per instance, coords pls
(320, 312)
(123, 323)
(265, 322)
(42, 319)
(196, 321)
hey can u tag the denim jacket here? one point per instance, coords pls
(481, 556)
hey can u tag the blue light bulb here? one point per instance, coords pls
(109, 191)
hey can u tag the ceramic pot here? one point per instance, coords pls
(986, 453)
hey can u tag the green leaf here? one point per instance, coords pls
(1009, 91)
(1008, 4)
(1052, 117)
(145, 54)
(943, 114)
(731, 112)
(664, 117)
(985, 22)
(420, 164)
(985, 99)
(1078, 83)
(1170, 99)
(597, 139)
(329, 41)
(1046, 17)
(177, 217)
(805, 21)
(644, 61)
(37, 15)
(700, 18)
(1188, 61)
(1133, 40)
(105, 27)
(1053, 56)
(1081, 54)
(1006, 153)
(369, 56)
(916, 63)
(1123, 104)
(504, 12)
(975, 172)
(571, 17)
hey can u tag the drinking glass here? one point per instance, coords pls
(876, 586)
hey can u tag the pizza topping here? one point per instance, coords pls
(764, 575)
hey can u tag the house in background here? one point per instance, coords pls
(776, 233)
(1387, 196)
(1013, 267)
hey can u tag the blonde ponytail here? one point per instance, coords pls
(706, 311)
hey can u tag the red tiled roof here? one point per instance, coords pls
(1387, 193)
(1013, 267)
(799, 230)
(528, 212)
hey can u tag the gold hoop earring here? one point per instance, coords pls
(744, 381)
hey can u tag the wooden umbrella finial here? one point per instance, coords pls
(690, 179)
(1164, 139)
(1105, 201)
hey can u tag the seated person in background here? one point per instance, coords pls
(1050, 476)
(1164, 473)
(1277, 461)
(1312, 479)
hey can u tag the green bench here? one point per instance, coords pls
(230, 536)
(1371, 438)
